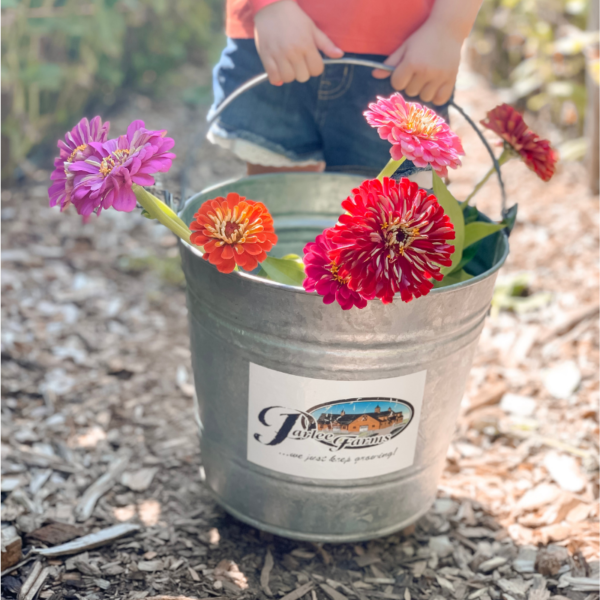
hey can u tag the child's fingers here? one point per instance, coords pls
(325, 45)
(415, 85)
(393, 60)
(272, 71)
(429, 91)
(301, 70)
(314, 62)
(286, 69)
(402, 76)
(443, 94)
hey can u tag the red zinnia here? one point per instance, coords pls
(322, 275)
(536, 152)
(233, 231)
(393, 239)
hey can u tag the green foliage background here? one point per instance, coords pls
(61, 58)
(540, 49)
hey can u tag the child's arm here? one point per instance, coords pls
(427, 63)
(288, 42)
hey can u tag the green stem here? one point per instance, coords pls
(504, 157)
(390, 168)
(161, 212)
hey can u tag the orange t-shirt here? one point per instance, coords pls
(359, 26)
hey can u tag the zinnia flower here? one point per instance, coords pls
(105, 178)
(322, 275)
(393, 239)
(74, 147)
(536, 152)
(415, 132)
(233, 231)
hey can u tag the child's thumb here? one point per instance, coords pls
(325, 45)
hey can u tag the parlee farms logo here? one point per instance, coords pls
(351, 424)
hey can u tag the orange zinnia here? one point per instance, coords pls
(233, 231)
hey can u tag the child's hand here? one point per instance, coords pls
(426, 64)
(288, 43)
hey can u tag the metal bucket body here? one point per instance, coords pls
(262, 346)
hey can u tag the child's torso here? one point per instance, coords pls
(358, 26)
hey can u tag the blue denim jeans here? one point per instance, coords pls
(320, 120)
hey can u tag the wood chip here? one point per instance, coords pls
(11, 547)
(581, 314)
(55, 533)
(299, 592)
(35, 585)
(86, 505)
(333, 594)
(87, 542)
(151, 565)
(140, 480)
(367, 559)
(487, 397)
(492, 564)
(266, 573)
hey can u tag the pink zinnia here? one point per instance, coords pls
(74, 147)
(322, 275)
(415, 132)
(106, 177)
(392, 239)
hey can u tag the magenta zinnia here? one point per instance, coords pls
(105, 178)
(322, 275)
(392, 240)
(74, 147)
(415, 132)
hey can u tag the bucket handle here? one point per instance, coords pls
(372, 65)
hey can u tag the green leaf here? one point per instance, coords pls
(454, 211)
(453, 278)
(468, 255)
(284, 270)
(470, 214)
(479, 229)
(511, 217)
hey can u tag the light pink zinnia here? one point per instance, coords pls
(322, 275)
(106, 177)
(74, 147)
(415, 132)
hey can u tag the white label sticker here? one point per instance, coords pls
(326, 429)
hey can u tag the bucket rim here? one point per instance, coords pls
(299, 289)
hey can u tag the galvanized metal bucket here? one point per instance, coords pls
(316, 423)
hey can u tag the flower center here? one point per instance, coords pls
(422, 122)
(116, 158)
(234, 226)
(230, 229)
(334, 274)
(398, 237)
(73, 155)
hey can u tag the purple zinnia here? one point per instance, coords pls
(322, 275)
(105, 178)
(75, 147)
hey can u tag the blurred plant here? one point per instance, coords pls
(538, 48)
(59, 57)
